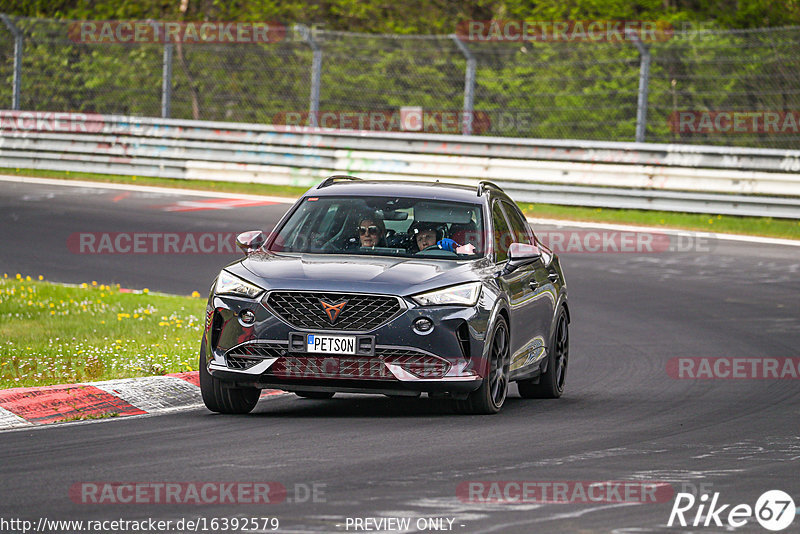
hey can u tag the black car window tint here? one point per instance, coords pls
(502, 235)
(519, 225)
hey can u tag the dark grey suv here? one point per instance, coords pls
(392, 288)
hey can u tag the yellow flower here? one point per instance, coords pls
(41, 277)
(52, 305)
(27, 278)
(52, 313)
(145, 291)
(711, 221)
(84, 286)
(195, 294)
(94, 282)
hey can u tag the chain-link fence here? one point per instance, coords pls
(734, 87)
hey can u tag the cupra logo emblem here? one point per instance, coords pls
(333, 310)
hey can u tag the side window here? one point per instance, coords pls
(519, 226)
(502, 236)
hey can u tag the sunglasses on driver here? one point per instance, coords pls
(372, 230)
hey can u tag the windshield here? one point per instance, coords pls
(384, 226)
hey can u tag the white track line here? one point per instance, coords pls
(662, 230)
(142, 188)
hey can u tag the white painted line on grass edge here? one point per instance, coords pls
(669, 231)
(143, 188)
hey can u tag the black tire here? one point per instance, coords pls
(220, 397)
(315, 394)
(551, 384)
(489, 398)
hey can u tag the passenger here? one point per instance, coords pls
(372, 232)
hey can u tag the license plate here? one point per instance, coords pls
(323, 344)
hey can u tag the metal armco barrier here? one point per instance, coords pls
(698, 179)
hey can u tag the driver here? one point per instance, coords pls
(431, 235)
(426, 238)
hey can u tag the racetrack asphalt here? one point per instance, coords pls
(623, 416)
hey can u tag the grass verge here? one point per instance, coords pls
(57, 334)
(759, 226)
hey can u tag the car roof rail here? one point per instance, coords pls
(330, 180)
(483, 185)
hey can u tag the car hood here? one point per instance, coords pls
(368, 274)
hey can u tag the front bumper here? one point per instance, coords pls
(395, 359)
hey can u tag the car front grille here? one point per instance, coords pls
(237, 362)
(418, 364)
(360, 312)
(247, 355)
(303, 367)
(321, 367)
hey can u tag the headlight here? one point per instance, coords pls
(463, 295)
(227, 284)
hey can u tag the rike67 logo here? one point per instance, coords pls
(774, 510)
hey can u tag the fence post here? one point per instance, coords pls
(469, 86)
(166, 80)
(17, 80)
(644, 81)
(316, 72)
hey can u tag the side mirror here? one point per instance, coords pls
(521, 254)
(251, 241)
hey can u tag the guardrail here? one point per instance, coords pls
(699, 179)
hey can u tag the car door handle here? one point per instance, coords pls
(552, 276)
(534, 284)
